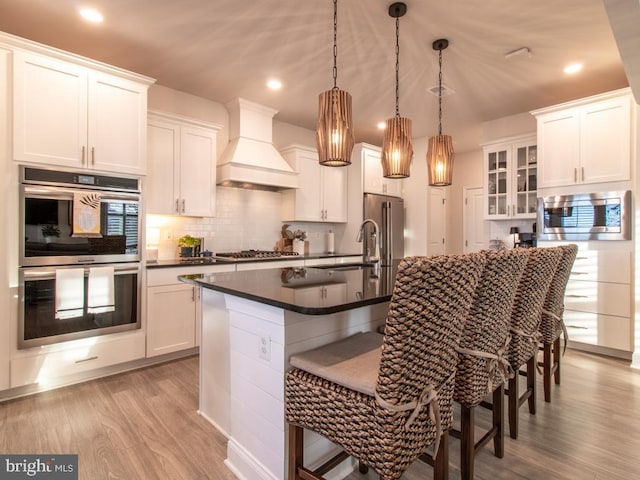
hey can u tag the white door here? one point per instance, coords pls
(436, 224)
(476, 228)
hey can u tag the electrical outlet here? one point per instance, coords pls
(168, 234)
(264, 347)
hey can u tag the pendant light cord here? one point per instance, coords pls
(335, 44)
(440, 95)
(397, 66)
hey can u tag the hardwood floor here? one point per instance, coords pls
(143, 425)
(137, 425)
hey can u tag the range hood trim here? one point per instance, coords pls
(250, 158)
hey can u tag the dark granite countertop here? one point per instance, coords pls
(177, 262)
(307, 290)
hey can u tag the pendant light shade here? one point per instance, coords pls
(334, 133)
(397, 146)
(440, 152)
(440, 160)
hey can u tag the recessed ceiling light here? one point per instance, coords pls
(572, 68)
(274, 84)
(91, 15)
(381, 125)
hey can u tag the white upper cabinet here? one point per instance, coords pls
(322, 195)
(587, 141)
(181, 167)
(374, 182)
(68, 115)
(510, 178)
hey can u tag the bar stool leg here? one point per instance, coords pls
(546, 370)
(296, 451)
(498, 422)
(531, 384)
(557, 354)
(441, 464)
(467, 441)
(513, 406)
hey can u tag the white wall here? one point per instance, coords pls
(519, 124)
(467, 172)
(8, 256)
(415, 197)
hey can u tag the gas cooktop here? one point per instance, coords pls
(253, 255)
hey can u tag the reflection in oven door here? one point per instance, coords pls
(38, 322)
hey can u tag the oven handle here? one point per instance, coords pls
(42, 191)
(39, 273)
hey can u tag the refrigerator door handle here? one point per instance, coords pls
(387, 238)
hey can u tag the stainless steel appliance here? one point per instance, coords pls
(46, 213)
(252, 255)
(591, 216)
(77, 284)
(388, 213)
(38, 323)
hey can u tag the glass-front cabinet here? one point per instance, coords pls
(510, 173)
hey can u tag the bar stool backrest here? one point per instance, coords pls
(486, 328)
(551, 326)
(527, 307)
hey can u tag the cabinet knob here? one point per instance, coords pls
(183, 205)
(177, 205)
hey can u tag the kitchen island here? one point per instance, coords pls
(252, 321)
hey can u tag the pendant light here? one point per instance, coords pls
(334, 134)
(440, 152)
(397, 147)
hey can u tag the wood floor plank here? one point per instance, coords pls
(143, 425)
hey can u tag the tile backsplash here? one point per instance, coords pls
(245, 219)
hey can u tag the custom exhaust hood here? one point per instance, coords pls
(250, 159)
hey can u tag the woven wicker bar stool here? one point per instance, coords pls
(482, 364)
(385, 399)
(552, 325)
(525, 323)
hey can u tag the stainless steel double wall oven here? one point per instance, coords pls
(51, 249)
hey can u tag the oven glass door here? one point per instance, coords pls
(47, 224)
(39, 325)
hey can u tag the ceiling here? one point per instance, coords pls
(221, 49)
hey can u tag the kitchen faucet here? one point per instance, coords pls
(368, 258)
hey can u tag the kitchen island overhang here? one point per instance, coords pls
(251, 323)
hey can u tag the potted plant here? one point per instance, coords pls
(187, 244)
(49, 232)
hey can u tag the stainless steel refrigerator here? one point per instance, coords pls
(388, 213)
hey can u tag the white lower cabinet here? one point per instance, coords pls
(173, 308)
(171, 318)
(46, 365)
(598, 301)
